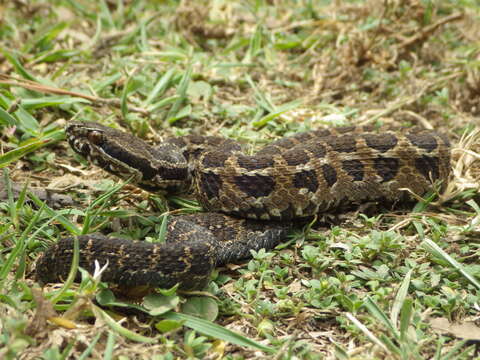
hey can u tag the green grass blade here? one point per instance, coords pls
(12, 59)
(216, 331)
(365, 330)
(11, 203)
(86, 354)
(162, 103)
(262, 100)
(43, 39)
(453, 353)
(58, 215)
(26, 122)
(18, 249)
(119, 329)
(160, 87)
(107, 81)
(101, 202)
(6, 119)
(37, 103)
(379, 315)
(106, 14)
(163, 229)
(182, 93)
(71, 275)
(108, 354)
(125, 92)
(400, 298)
(18, 153)
(405, 318)
(390, 345)
(56, 55)
(438, 252)
(20, 244)
(255, 45)
(280, 110)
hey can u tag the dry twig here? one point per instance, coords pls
(96, 101)
(423, 33)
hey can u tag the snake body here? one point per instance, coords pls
(250, 199)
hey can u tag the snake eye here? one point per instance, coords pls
(95, 137)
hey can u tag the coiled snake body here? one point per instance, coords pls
(250, 198)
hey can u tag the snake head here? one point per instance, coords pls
(154, 169)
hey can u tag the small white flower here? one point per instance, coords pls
(99, 270)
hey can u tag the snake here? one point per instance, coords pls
(251, 200)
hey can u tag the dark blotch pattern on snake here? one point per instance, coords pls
(250, 199)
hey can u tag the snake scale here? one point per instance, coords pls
(250, 199)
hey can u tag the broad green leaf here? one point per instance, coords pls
(165, 326)
(201, 307)
(158, 304)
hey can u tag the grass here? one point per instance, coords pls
(254, 71)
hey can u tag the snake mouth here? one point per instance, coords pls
(81, 147)
(92, 143)
(125, 156)
(80, 139)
